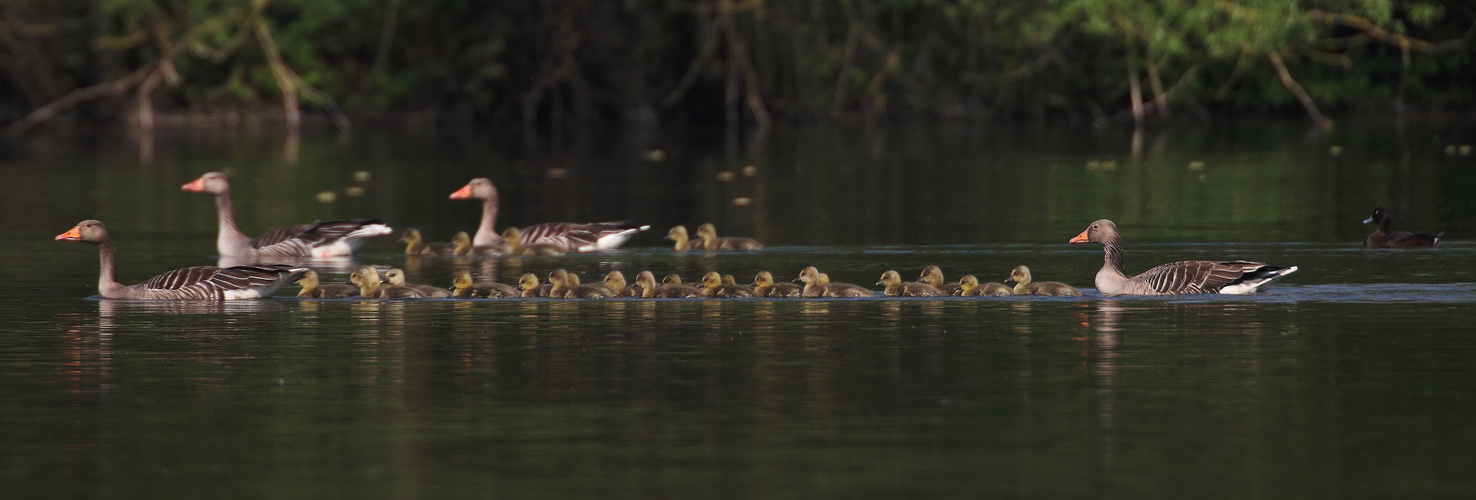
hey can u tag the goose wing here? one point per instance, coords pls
(1199, 276)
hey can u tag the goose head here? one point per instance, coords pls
(890, 279)
(478, 189)
(968, 283)
(211, 182)
(528, 281)
(1020, 274)
(461, 280)
(809, 275)
(1100, 232)
(763, 279)
(671, 279)
(615, 280)
(931, 275)
(89, 231)
(678, 234)
(712, 280)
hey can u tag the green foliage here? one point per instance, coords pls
(796, 57)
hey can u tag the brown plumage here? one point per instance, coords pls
(817, 284)
(969, 287)
(370, 287)
(463, 286)
(672, 288)
(933, 275)
(313, 288)
(515, 246)
(764, 286)
(1383, 238)
(396, 276)
(713, 287)
(566, 286)
(531, 287)
(1024, 286)
(1183, 277)
(683, 242)
(615, 281)
(569, 236)
(190, 283)
(895, 287)
(320, 239)
(707, 233)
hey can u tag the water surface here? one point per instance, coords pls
(1353, 378)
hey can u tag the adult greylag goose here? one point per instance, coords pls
(895, 287)
(968, 286)
(314, 288)
(372, 287)
(933, 275)
(514, 238)
(764, 286)
(570, 236)
(415, 244)
(615, 281)
(683, 241)
(1024, 286)
(463, 286)
(396, 276)
(531, 287)
(1183, 277)
(1383, 238)
(707, 233)
(713, 287)
(566, 286)
(673, 288)
(318, 240)
(190, 283)
(817, 284)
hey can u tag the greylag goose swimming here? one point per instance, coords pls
(968, 286)
(895, 287)
(190, 283)
(371, 287)
(314, 288)
(707, 233)
(673, 288)
(1383, 238)
(933, 275)
(764, 286)
(415, 244)
(684, 242)
(396, 276)
(514, 238)
(713, 287)
(1023, 286)
(817, 284)
(647, 283)
(566, 286)
(318, 240)
(463, 286)
(570, 236)
(1183, 277)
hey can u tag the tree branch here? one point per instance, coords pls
(1297, 90)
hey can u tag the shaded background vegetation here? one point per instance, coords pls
(551, 62)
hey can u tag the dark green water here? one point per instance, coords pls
(1355, 378)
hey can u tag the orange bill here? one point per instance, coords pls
(463, 193)
(1081, 238)
(195, 186)
(73, 234)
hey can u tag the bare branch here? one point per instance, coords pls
(1296, 89)
(1363, 24)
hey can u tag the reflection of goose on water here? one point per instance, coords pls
(1183, 277)
(1383, 238)
(190, 283)
(320, 239)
